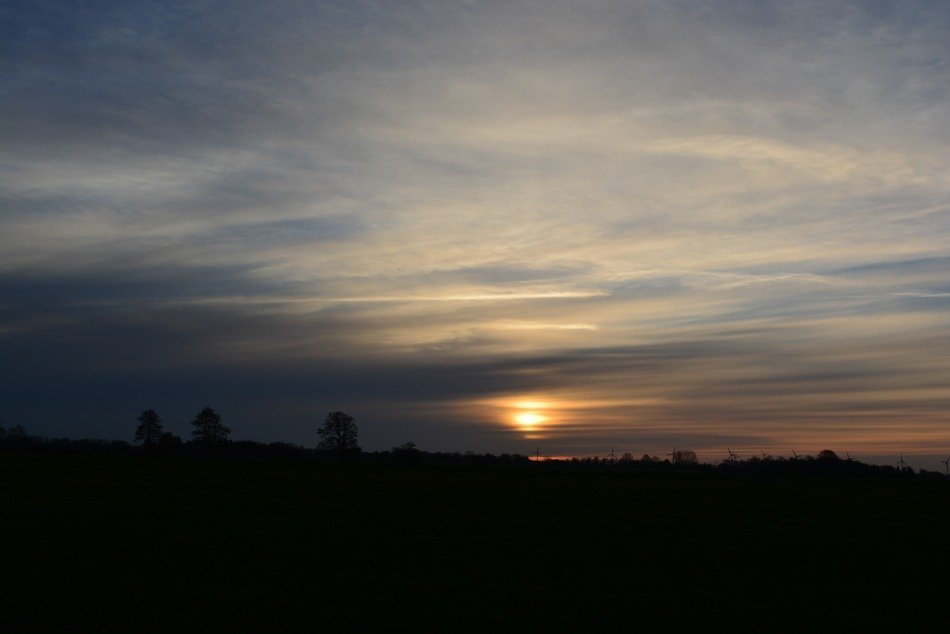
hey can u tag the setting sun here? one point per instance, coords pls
(528, 419)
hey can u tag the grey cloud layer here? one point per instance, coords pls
(736, 211)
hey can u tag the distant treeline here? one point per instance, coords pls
(250, 449)
(827, 463)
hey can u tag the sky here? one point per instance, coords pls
(488, 226)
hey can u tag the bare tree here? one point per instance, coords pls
(339, 434)
(684, 457)
(149, 429)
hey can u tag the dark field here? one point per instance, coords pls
(135, 543)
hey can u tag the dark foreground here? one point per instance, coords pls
(137, 543)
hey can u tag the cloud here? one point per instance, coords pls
(768, 157)
(729, 214)
(934, 294)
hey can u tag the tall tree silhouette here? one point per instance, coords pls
(208, 429)
(149, 429)
(339, 434)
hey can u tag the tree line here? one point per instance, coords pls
(338, 434)
(338, 438)
(209, 432)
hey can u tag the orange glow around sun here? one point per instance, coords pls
(529, 419)
(540, 416)
(530, 415)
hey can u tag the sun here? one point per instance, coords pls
(529, 419)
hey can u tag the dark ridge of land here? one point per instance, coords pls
(174, 543)
(826, 463)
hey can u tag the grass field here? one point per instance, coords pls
(136, 543)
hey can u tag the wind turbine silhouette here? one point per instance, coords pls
(612, 456)
(848, 455)
(672, 455)
(900, 463)
(794, 455)
(733, 456)
(946, 465)
(537, 454)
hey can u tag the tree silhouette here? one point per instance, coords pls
(407, 452)
(684, 457)
(169, 442)
(16, 436)
(149, 429)
(339, 434)
(3, 432)
(827, 454)
(208, 429)
(408, 446)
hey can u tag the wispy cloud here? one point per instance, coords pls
(698, 223)
(935, 294)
